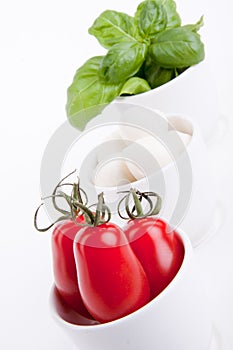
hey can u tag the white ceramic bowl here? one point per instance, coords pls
(177, 319)
(192, 93)
(185, 183)
(198, 217)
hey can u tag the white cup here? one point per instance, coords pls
(192, 93)
(178, 318)
(185, 183)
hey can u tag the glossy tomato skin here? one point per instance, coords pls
(158, 248)
(64, 268)
(111, 279)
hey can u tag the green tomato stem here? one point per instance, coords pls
(155, 204)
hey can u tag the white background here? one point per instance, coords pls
(42, 44)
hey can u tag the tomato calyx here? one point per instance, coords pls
(153, 200)
(102, 213)
(74, 200)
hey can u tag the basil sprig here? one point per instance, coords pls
(143, 52)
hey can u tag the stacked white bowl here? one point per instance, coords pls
(156, 141)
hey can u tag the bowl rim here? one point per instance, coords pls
(168, 84)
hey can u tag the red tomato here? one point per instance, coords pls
(160, 252)
(65, 274)
(112, 281)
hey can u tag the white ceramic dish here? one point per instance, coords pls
(192, 93)
(185, 184)
(181, 311)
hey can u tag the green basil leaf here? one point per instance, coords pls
(176, 48)
(88, 95)
(122, 61)
(156, 75)
(195, 27)
(113, 27)
(151, 18)
(135, 86)
(173, 18)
